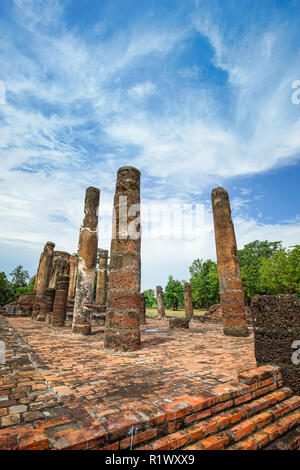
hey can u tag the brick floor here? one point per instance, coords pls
(48, 366)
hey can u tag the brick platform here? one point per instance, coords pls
(63, 391)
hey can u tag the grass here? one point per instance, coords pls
(152, 312)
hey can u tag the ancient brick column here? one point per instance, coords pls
(122, 326)
(276, 326)
(188, 301)
(231, 292)
(43, 276)
(143, 310)
(101, 278)
(46, 305)
(160, 302)
(72, 275)
(87, 260)
(60, 301)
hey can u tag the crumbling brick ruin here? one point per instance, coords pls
(72, 275)
(60, 301)
(122, 326)
(46, 306)
(188, 301)
(43, 277)
(101, 278)
(231, 291)
(87, 260)
(160, 302)
(276, 325)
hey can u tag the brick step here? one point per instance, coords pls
(276, 403)
(256, 432)
(289, 441)
(241, 398)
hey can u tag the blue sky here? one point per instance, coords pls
(195, 94)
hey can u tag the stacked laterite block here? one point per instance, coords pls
(101, 278)
(46, 305)
(60, 301)
(251, 413)
(86, 265)
(231, 291)
(122, 325)
(160, 302)
(276, 325)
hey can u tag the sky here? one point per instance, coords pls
(196, 94)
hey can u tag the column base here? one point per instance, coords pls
(82, 329)
(238, 331)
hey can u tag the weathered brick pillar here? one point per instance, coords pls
(231, 291)
(72, 275)
(101, 278)
(43, 276)
(188, 301)
(276, 325)
(60, 301)
(87, 260)
(46, 305)
(160, 302)
(122, 325)
(143, 310)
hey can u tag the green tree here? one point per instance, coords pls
(250, 258)
(26, 290)
(7, 291)
(204, 283)
(20, 277)
(280, 273)
(150, 299)
(174, 294)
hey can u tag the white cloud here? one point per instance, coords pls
(140, 90)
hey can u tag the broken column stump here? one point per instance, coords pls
(188, 301)
(87, 260)
(43, 277)
(122, 325)
(143, 310)
(60, 301)
(160, 302)
(101, 278)
(46, 305)
(231, 291)
(276, 325)
(179, 323)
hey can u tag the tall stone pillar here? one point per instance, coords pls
(87, 260)
(101, 278)
(60, 301)
(188, 301)
(231, 292)
(160, 302)
(46, 305)
(43, 277)
(143, 310)
(122, 326)
(72, 275)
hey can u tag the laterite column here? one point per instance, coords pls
(87, 260)
(122, 326)
(231, 291)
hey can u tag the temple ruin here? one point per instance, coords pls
(177, 383)
(231, 290)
